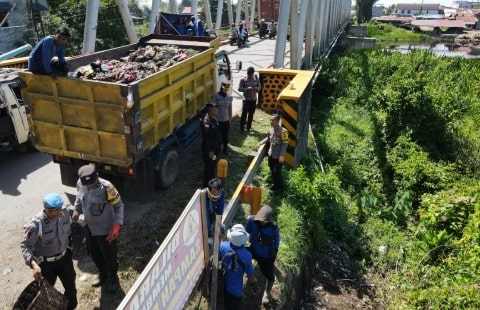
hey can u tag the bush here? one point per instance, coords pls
(399, 135)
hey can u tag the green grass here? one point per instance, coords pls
(386, 34)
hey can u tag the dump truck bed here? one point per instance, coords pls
(115, 123)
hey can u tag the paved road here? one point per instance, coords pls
(26, 177)
(257, 53)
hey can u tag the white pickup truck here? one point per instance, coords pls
(14, 129)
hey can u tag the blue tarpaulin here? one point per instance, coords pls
(5, 6)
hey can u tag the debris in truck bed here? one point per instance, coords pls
(137, 65)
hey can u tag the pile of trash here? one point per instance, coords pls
(137, 65)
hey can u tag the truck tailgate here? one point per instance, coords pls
(80, 119)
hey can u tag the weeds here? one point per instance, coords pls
(398, 136)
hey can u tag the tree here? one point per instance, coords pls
(364, 10)
(71, 14)
(390, 10)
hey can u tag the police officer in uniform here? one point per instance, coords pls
(277, 139)
(101, 207)
(224, 117)
(249, 86)
(212, 142)
(46, 246)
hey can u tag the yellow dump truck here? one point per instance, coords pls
(135, 131)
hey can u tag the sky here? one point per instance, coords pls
(388, 3)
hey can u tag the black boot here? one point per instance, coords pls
(100, 280)
(113, 283)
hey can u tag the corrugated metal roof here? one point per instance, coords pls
(438, 23)
(469, 19)
(393, 18)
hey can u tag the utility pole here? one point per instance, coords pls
(90, 29)
(127, 20)
(154, 14)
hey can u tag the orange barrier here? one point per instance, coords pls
(253, 196)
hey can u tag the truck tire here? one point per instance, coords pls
(69, 174)
(169, 168)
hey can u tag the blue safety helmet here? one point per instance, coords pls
(53, 201)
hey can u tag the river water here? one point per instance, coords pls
(438, 49)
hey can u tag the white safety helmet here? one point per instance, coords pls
(225, 82)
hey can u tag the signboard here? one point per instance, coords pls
(170, 276)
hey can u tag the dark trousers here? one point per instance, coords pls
(248, 109)
(103, 254)
(276, 169)
(209, 170)
(266, 265)
(232, 302)
(63, 269)
(224, 130)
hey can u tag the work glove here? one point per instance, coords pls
(113, 234)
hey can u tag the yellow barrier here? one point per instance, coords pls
(288, 93)
(222, 168)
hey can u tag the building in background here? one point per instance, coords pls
(417, 9)
(269, 10)
(16, 17)
(378, 10)
(467, 4)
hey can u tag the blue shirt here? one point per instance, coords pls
(200, 29)
(267, 248)
(42, 54)
(234, 276)
(215, 207)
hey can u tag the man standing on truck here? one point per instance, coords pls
(200, 28)
(192, 26)
(41, 59)
(212, 142)
(249, 86)
(47, 248)
(102, 208)
(224, 102)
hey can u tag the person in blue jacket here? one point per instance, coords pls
(264, 243)
(236, 260)
(215, 202)
(41, 59)
(200, 27)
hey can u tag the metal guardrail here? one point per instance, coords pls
(234, 203)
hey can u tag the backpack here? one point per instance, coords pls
(266, 239)
(236, 262)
